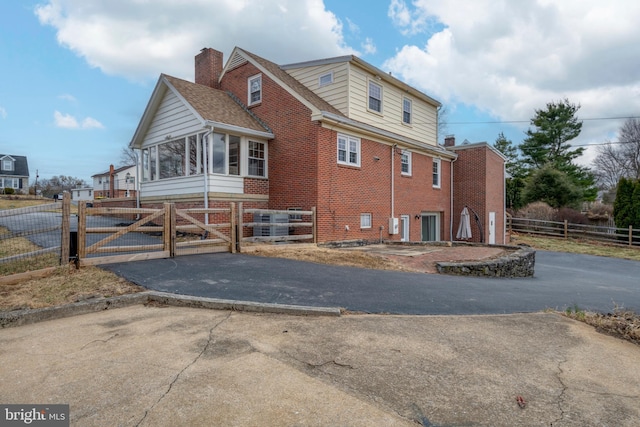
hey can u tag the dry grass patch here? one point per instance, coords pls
(578, 246)
(66, 285)
(15, 202)
(621, 323)
(343, 257)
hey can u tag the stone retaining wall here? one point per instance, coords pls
(519, 263)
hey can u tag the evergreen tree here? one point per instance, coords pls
(553, 187)
(549, 144)
(623, 204)
(514, 181)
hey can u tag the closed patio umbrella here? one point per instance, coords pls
(464, 229)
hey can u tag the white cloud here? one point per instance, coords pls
(127, 38)
(67, 97)
(509, 58)
(368, 46)
(67, 121)
(3, 113)
(91, 123)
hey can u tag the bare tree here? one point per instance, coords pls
(127, 157)
(621, 159)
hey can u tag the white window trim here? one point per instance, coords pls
(330, 75)
(408, 154)
(244, 143)
(7, 165)
(439, 163)
(364, 219)
(405, 99)
(249, 80)
(369, 83)
(348, 140)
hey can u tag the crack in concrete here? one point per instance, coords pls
(193, 362)
(562, 393)
(102, 341)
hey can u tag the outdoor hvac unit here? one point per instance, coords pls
(271, 230)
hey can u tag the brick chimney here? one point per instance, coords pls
(208, 67)
(449, 140)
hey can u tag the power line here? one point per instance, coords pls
(497, 122)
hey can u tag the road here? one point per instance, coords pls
(561, 280)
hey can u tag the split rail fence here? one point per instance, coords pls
(619, 236)
(103, 235)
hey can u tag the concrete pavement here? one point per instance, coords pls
(171, 366)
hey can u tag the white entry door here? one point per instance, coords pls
(492, 228)
(404, 228)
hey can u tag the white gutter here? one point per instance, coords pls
(380, 133)
(238, 129)
(451, 209)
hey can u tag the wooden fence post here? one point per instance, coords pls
(631, 235)
(65, 238)
(169, 229)
(314, 227)
(232, 227)
(240, 227)
(82, 230)
(566, 228)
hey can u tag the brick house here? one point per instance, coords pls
(114, 183)
(14, 173)
(338, 134)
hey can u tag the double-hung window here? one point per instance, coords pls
(405, 160)
(256, 158)
(348, 150)
(255, 89)
(7, 164)
(406, 111)
(436, 173)
(375, 97)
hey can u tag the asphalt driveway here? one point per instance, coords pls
(561, 280)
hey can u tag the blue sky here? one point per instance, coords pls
(76, 74)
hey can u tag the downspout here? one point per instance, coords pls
(138, 175)
(393, 153)
(504, 204)
(451, 199)
(205, 171)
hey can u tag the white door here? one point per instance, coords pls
(404, 228)
(492, 228)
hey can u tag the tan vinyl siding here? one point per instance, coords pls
(172, 118)
(423, 127)
(334, 93)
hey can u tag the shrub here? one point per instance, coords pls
(9, 190)
(537, 210)
(600, 212)
(571, 215)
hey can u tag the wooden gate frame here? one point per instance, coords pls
(98, 247)
(203, 245)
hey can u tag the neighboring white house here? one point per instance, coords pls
(85, 193)
(115, 183)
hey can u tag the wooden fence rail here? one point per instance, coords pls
(621, 236)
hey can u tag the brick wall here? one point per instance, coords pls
(303, 171)
(479, 184)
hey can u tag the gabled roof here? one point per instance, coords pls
(321, 109)
(212, 107)
(20, 166)
(371, 69)
(115, 171)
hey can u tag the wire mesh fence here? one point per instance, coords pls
(31, 237)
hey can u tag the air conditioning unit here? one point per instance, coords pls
(271, 230)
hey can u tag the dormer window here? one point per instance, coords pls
(255, 89)
(7, 164)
